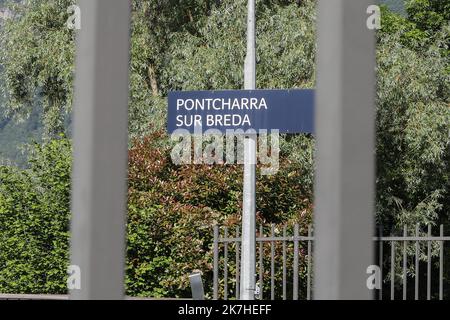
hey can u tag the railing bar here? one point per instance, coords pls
(429, 264)
(225, 267)
(405, 234)
(295, 284)
(216, 263)
(380, 245)
(237, 263)
(308, 288)
(261, 266)
(416, 280)
(272, 264)
(392, 269)
(284, 263)
(441, 265)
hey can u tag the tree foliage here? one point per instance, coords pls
(172, 210)
(413, 117)
(34, 221)
(412, 135)
(427, 22)
(37, 52)
(200, 44)
(429, 15)
(413, 144)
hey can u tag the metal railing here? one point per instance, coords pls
(299, 248)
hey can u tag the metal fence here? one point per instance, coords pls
(403, 256)
(100, 107)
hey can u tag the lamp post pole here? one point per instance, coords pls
(248, 260)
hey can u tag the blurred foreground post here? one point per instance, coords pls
(100, 149)
(345, 120)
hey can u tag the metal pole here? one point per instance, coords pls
(197, 290)
(248, 260)
(216, 263)
(100, 149)
(345, 118)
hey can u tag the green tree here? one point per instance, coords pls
(412, 124)
(201, 45)
(172, 210)
(412, 135)
(427, 22)
(37, 52)
(429, 15)
(34, 221)
(413, 144)
(39, 64)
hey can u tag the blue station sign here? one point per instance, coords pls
(289, 111)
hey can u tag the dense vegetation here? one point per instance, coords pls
(34, 221)
(16, 133)
(200, 44)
